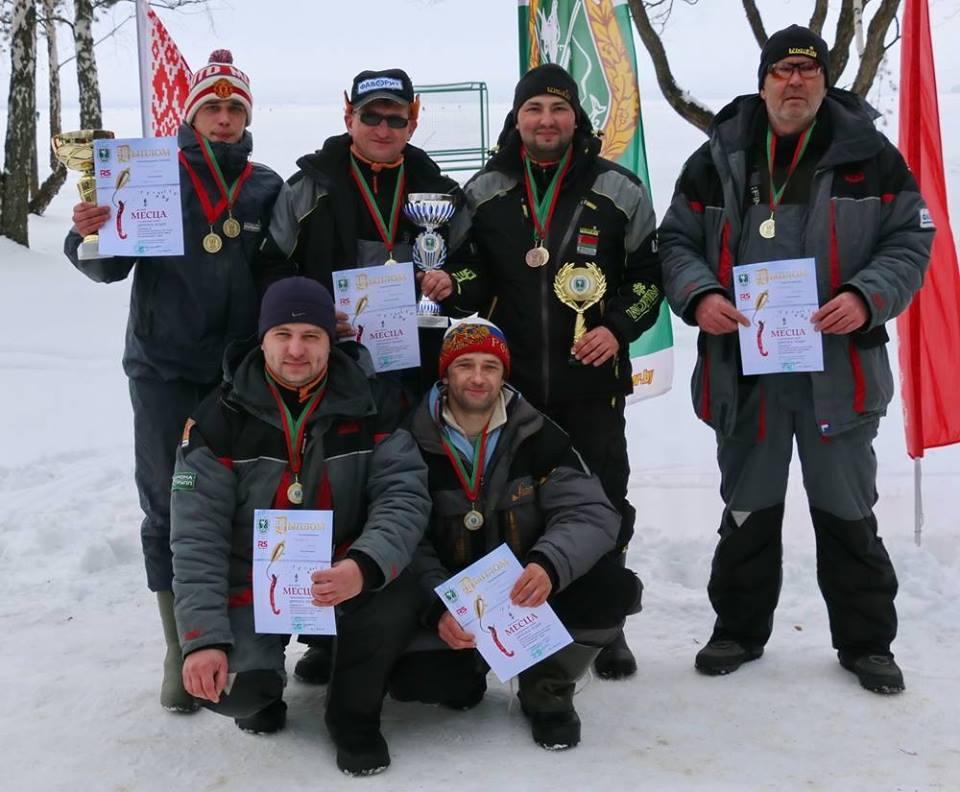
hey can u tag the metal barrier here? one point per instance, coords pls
(452, 115)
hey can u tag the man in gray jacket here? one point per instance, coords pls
(798, 171)
(297, 426)
(500, 472)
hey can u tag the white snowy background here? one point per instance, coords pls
(81, 648)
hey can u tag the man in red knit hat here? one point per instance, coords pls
(185, 310)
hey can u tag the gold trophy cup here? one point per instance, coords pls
(75, 151)
(579, 288)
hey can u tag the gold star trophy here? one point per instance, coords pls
(579, 288)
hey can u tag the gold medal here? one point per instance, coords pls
(537, 257)
(473, 520)
(212, 243)
(390, 260)
(295, 493)
(231, 227)
(768, 228)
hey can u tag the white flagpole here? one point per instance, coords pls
(917, 501)
(143, 58)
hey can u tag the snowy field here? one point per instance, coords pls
(80, 659)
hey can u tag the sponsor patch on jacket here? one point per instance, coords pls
(184, 481)
(926, 219)
(587, 240)
(255, 227)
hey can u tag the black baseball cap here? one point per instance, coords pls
(394, 85)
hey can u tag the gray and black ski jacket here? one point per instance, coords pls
(233, 460)
(866, 226)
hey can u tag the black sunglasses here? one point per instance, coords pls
(371, 118)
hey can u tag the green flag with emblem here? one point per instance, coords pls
(593, 40)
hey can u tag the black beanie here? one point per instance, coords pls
(297, 300)
(794, 40)
(546, 79)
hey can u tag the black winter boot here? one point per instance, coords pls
(269, 720)
(722, 656)
(878, 673)
(316, 664)
(615, 660)
(546, 696)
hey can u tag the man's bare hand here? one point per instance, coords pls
(435, 284)
(844, 314)
(596, 347)
(205, 673)
(341, 582)
(89, 218)
(715, 314)
(451, 634)
(344, 328)
(532, 587)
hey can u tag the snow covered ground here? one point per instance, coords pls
(81, 653)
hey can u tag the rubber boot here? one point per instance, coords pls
(173, 696)
(546, 696)
(616, 660)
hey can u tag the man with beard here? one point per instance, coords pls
(344, 209)
(185, 310)
(502, 472)
(547, 199)
(798, 171)
(297, 425)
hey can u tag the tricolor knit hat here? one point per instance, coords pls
(473, 334)
(216, 81)
(297, 300)
(791, 41)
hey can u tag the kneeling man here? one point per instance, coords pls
(297, 426)
(500, 471)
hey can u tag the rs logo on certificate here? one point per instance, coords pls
(288, 546)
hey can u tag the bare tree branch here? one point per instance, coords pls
(874, 48)
(756, 23)
(818, 17)
(840, 53)
(688, 108)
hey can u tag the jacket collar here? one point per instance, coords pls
(348, 389)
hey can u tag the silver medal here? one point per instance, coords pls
(473, 520)
(768, 228)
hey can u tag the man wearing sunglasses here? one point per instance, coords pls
(798, 171)
(344, 209)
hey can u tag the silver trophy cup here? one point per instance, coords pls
(430, 210)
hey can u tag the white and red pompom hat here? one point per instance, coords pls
(217, 81)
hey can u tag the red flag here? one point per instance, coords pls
(164, 75)
(929, 330)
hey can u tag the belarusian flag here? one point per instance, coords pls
(593, 40)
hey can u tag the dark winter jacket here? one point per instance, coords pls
(536, 496)
(864, 223)
(233, 460)
(603, 215)
(320, 225)
(185, 310)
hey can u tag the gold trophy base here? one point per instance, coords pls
(90, 249)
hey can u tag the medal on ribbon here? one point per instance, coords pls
(387, 233)
(542, 206)
(768, 228)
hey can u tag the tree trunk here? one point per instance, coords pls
(688, 107)
(756, 23)
(21, 121)
(818, 17)
(58, 173)
(91, 116)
